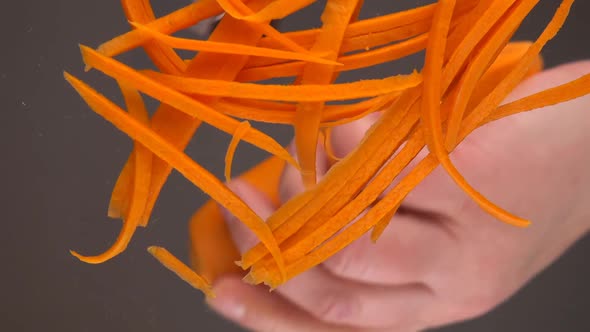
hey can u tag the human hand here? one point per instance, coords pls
(442, 259)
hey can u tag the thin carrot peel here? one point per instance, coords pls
(470, 67)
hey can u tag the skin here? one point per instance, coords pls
(442, 259)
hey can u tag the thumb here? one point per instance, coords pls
(243, 237)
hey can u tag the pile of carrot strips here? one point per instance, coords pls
(470, 67)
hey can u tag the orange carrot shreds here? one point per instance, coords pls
(335, 18)
(273, 11)
(257, 253)
(469, 39)
(233, 145)
(479, 63)
(164, 57)
(213, 252)
(182, 102)
(173, 22)
(470, 68)
(177, 127)
(431, 108)
(506, 61)
(180, 269)
(180, 161)
(552, 96)
(487, 106)
(349, 62)
(309, 92)
(228, 48)
(318, 200)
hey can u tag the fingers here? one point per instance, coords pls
(339, 301)
(256, 309)
(412, 249)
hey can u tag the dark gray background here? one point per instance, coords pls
(60, 161)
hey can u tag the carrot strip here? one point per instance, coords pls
(173, 22)
(349, 62)
(181, 270)
(199, 176)
(552, 96)
(142, 158)
(273, 11)
(164, 57)
(181, 102)
(233, 144)
(309, 92)
(228, 48)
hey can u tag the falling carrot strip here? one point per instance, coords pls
(308, 92)
(180, 269)
(233, 144)
(181, 162)
(228, 48)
